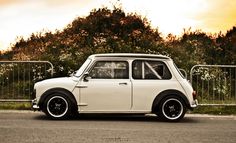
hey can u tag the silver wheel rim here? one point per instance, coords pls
(57, 106)
(172, 109)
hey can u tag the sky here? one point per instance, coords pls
(24, 17)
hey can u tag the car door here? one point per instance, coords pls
(107, 88)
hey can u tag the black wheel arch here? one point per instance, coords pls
(166, 93)
(61, 91)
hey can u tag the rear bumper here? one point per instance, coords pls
(34, 105)
(194, 104)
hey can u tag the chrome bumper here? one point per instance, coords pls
(34, 105)
(194, 103)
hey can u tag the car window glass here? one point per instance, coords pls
(150, 70)
(110, 70)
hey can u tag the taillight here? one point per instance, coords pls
(194, 95)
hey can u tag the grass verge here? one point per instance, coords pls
(215, 110)
(15, 105)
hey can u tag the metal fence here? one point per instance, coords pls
(214, 84)
(18, 77)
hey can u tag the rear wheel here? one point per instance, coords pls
(57, 106)
(172, 109)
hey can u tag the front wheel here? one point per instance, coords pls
(172, 109)
(57, 106)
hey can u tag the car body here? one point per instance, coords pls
(118, 83)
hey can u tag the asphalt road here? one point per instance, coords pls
(30, 127)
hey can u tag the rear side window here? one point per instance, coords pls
(142, 69)
(110, 70)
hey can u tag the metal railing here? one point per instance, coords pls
(18, 77)
(214, 84)
(183, 71)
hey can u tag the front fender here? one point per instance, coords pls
(58, 91)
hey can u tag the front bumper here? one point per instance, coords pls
(34, 105)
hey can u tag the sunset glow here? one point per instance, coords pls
(168, 15)
(24, 17)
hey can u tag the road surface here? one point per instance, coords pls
(35, 127)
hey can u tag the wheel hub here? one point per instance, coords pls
(57, 106)
(172, 108)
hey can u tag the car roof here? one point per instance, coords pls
(130, 55)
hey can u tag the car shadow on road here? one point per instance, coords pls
(116, 117)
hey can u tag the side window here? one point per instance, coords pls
(150, 70)
(110, 70)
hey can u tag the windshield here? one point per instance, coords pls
(82, 68)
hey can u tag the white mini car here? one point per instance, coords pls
(118, 83)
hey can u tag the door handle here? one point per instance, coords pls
(123, 83)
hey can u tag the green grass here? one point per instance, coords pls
(15, 105)
(215, 110)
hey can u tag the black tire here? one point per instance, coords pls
(171, 109)
(57, 106)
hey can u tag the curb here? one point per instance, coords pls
(231, 117)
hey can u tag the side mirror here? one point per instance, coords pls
(72, 74)
(86, 77)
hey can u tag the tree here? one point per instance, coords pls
(113, 31)
(103, 31)
(226, 47)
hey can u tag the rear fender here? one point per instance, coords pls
(166, 93)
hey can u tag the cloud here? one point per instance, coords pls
(24, 17)
(8, 2)
(68, 2)
(220, 16)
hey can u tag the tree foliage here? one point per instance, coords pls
(113, 31)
